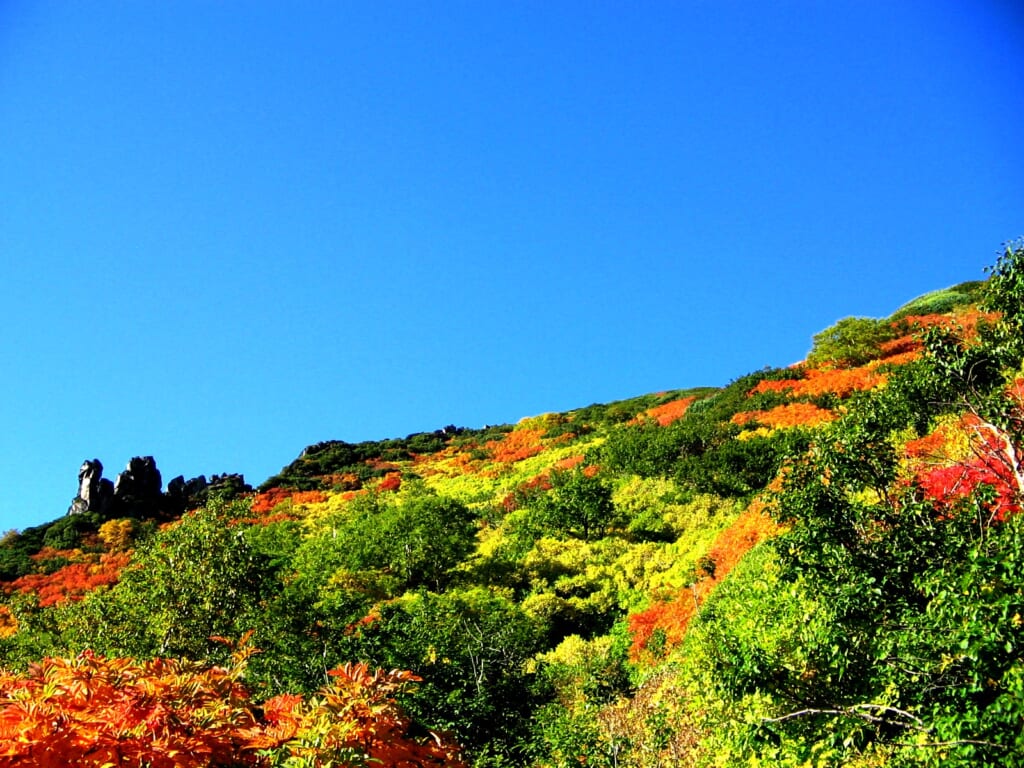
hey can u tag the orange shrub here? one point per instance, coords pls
(787, 415)
(392, 481)
(517, 445)
(841, 382)
(269, 500)
(94, 712)
(666, 413)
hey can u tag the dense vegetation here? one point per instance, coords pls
(816, 565)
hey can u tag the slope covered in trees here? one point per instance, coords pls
(815, 565)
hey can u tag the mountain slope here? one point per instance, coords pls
(812, 564)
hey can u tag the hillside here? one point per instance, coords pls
(814, 565)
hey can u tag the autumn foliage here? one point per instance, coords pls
(74, 580)
(786, 415)
(269, 500)
(668, 618)
(517, 445)
(951, 462)
(92, 711)
(666, 413)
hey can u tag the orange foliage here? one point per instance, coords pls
(967, 320)
(1015, 392)
(516, 445)
(788, 415)
(666, 413)
(569, 462)
(841, 382)
(74, 580)
(91, 711)
(345, 481)
(392, 481)
(357, 712)
(94, 712)
(268, 500)
(671, 617)
(901, 345)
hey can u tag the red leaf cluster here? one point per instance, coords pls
(73, 581)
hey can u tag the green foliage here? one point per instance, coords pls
(418, 538)
(471, 647)
(851, 341)
(197, 579)
(1004, 293)
(577, 505)
(942, 301)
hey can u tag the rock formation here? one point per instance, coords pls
(95, 492)
(137, 492)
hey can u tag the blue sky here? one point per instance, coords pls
(233, 229)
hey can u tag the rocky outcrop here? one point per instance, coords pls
(137, 492)
(95, 493)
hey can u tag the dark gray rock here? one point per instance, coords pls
(95, 492)
(140, 481)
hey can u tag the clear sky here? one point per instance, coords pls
(232, 229)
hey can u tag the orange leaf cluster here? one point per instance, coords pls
(671, 617)
(392, 481)
(517, 445)
(268, 500)
(787, 415)
(346, 481)
(841, 382)
(73, 581)
(570, 462)
(666, 413)
(92, 711)
(966, 320)
(95, 712)
(901, 345)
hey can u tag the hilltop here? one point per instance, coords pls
(815, 564)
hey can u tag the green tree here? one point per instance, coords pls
(471, 647)
(851, 341)
(195, 580)
(577, 505)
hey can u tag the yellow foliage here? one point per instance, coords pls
(8, 622)
(117, 535)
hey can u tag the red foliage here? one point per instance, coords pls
(73, 581)
(392, 481)
(945, 485)
(946, 477)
